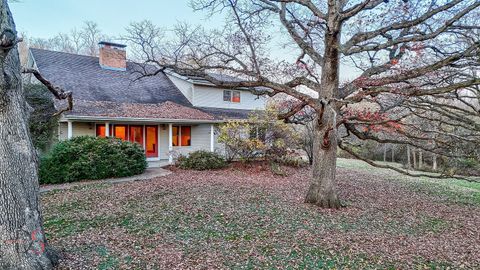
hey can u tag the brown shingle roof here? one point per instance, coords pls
(99, 92)
(166, 110)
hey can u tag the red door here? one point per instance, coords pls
(151, 141)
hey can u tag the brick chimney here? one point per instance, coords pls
(113, 56)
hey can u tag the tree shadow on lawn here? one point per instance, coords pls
(249, 218)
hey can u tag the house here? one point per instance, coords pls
(167, 114)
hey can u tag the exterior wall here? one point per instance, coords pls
(185, 87)
(200, 137)
(200, 141)
(205, 96)
(219, 147)
(79, 129)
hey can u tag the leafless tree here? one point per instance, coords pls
(411, 54)
(78, 43)
(91, 36)
(84, 41)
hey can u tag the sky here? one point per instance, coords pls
(46, 18)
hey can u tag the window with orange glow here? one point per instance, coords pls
(236, 97)
(231, 96)
(186, 136)
(182, 135)
(175, 136)
(136, 134)
(100, 131)
(120, 131)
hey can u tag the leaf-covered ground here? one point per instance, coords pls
(246, 218)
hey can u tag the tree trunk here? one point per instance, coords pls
(322, 191)
(434, 162)
(409, 163)
(385, 153)
(22, 239)
(393, 153)
(420, 159)
(414, 155)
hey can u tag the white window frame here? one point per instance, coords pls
(231, 95)
(180, 135)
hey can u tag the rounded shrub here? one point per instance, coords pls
(91, 158)
(201, 160)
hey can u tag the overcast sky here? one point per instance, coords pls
(46, 18)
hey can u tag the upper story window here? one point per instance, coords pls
(231, 96)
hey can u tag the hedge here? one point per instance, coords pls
(91, 158)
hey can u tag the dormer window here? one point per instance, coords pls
(231, 96)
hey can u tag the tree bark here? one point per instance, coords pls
(322, 191)
(420, 159)
(385, 153)
(409, 163)
(414, 155)
(22, 239)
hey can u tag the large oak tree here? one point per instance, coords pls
(22, 239)
(413, 59)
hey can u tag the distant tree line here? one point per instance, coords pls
(83, 40)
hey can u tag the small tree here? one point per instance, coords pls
(238, 143)
(262, 135)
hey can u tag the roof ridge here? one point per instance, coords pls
(62, 52)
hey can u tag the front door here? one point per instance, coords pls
(151, 141)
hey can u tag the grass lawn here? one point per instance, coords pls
(246, 218)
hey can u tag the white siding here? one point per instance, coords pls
(185, 87)
(205, 96)
(79, 129)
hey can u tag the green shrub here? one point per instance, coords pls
(201, 160)
(90, 158)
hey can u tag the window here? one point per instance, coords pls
(231, 96)
(186, 135)
(227, 95)
(121, 132)
(175, 135)
(136, 134)
(236, 97)
(182, 135)
(100, 131)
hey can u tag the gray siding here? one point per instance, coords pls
(205, 96)
(79, 129)
(200, 137)
(200, 141)
(185, 87)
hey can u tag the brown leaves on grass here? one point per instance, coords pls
(247, 217)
